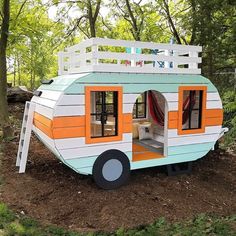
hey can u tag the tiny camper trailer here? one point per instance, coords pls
(112, 110)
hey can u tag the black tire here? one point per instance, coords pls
(111, 169)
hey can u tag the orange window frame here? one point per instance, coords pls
(88, 90)
(181, 91)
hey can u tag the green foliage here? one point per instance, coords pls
(10, 225)
(6, 216)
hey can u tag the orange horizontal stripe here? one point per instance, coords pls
(173, 115)
(43, 119)
(72, 132)
(212, 113)
(214, 121)
(68, 121)
(146, 156)
(71, 126)
(46, 130)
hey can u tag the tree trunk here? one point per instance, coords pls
(4, 116)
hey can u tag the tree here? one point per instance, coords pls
(86, 23)
(134, 13)
(4, 116)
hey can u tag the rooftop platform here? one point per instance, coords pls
(109, 55)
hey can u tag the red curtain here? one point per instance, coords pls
(158, 115)
(187, 106)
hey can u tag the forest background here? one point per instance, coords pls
(34, 31)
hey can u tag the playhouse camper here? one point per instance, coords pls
(112, 110)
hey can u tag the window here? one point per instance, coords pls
(192, 105)
(140, 106)
(103, 114)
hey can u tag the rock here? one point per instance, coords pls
(18, 94)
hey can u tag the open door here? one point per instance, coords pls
(149, 126)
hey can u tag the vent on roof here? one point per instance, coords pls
(47, 81)
(37, 93)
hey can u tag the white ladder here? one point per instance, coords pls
(25, 136)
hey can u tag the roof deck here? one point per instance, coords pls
(109, 55)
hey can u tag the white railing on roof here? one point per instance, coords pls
(109, 55)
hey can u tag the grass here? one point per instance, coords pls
(14, 225)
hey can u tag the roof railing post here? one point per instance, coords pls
(94, 51)
(83, 57)
(166, 63)
(193, 65)
(133, 51)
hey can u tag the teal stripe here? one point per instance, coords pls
(81, 162)
(133, 88)
(175, 150)
(168, 160)
(142, 78)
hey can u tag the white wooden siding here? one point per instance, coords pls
(192, 139)
(45, 111)
(80, 142)
(94, 150)
(52, 95)
(173, 133)
(69, 110)
(214, 105)
(71, 100)
(44, 101)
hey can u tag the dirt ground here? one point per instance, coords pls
(54, 194)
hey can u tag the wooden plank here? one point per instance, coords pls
(193, 139)
(130, 88)
(45, 111)
(130, 98)
(173, 106)
(214, 121)
(52, 95)
(43, 120)
(127, 118)
(138, 148)
(68, 121)
(171, 97)
(172, 124)
(70, 132)
(116, 68)
(69, 110)
(167, 160)
(146, 156)
(44, 101)
(127, 78)
(94, 150)
(174, 150)
(214, 104)
(71, 100)
(213, 96)
(214, 113)
(173, 115)
(141, 57)
(80, 142)
(173, 133)
(45, 129)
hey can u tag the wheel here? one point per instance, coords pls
(111, 169)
